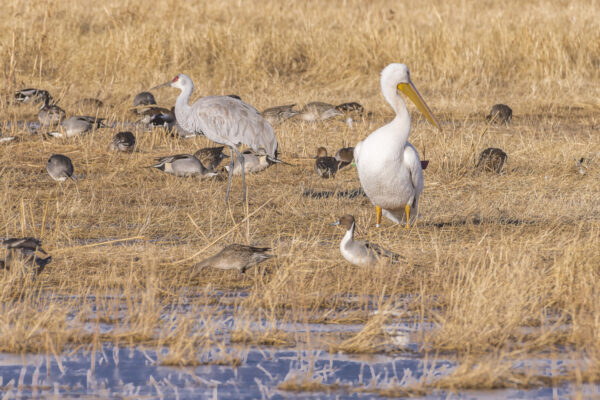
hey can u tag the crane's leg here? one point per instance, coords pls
(231, 164)
(407, 209)
(377, 216)
(240, 157)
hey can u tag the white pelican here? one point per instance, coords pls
(388, 166)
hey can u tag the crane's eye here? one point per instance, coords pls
(176, 78)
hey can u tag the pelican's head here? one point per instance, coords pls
(397, 76)
(180, 81)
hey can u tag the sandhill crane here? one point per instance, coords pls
(224, 120)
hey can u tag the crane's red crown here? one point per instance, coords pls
(176, 78)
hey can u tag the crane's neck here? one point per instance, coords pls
(182, 106)
(400, 125)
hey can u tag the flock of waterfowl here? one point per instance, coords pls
(389, 167)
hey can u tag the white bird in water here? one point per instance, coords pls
(388, 166)
(224, 120)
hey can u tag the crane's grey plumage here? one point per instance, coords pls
(224, 120)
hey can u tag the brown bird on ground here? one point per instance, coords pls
(123, 141)
(325, 165)
(352, 107)
(278, 114)
(491, 159)
(236, 256)
(211, 157)
(501, 113)
(345, 156)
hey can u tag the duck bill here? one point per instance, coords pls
(161, 85)
(413, 94)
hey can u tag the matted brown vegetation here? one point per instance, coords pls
(504, 264)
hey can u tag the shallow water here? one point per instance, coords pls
(137, 372)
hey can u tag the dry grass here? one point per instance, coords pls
(503, 264)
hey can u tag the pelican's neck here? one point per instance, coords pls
(401, 123)
(182, 105)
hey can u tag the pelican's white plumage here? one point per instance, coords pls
(389, 167)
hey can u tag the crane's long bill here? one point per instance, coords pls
(161, 86)
(412, 93)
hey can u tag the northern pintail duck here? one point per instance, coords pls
(6, 139)
(491, 159)
(123, 141)
(60, 167)
(358, 252)
(325, 165)
(500, 113)
(352, 107)
(35, 95)
(318, 111)
(389, 167)
(183, 165)
(158, 116)
(236, 256)
(50, 114)
(143, 101)
(345, 156)
(211, 157)
(252, 163)
(77, 125)
(278, 114)
(25, 249)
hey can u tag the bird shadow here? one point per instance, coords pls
(476, 221)
(325, 194)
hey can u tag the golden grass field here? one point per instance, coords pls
(505, 267)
